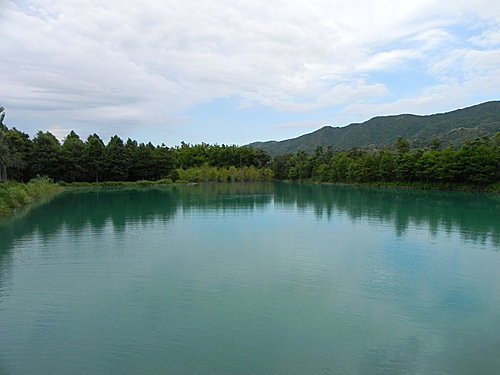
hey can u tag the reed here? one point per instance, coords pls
(16, 195)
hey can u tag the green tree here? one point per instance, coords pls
(144, 162)
(116, 161)
(428, 166)
(133, 169)
(46, 155)
(15, 152)
(402, 145)
(479, 163)
(73, 158)
(5, 156)
(279, 166)
(163, 162)
(448, 168)
(406, 166)
(339, 167)
(94, 157)
(386, 166)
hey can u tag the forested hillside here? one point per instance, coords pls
(449, 129)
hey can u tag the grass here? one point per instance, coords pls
(490, 189)
(118, 184)
(16, 195)
(494, 188)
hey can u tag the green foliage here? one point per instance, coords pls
(206, 173)
(16, 154)
(46, 156)
(5, 155)
(475, 163)
(402, 145)
(93, 161)
(93, 157)
(15, 195)
(116, 160)
(164, 181)
(189, 156)
(73, 158)
(163, 163)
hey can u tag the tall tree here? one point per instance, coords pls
(72, 158)
(132, 158)
(46, 155)
(116, 160)
(20, 147)
(94, 157)
(163, 161)
(144, 167)
(5, 156)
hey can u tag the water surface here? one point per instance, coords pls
(252, 279)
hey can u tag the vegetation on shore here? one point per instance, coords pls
(16, 195)
(207, 173)
(490, 189)
(473, 166)
(75, 160)
(204, 173)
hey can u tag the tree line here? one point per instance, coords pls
(475, 163)
(77, 160)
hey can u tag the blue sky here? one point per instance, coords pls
(240, 71)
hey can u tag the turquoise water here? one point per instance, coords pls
(252, 279)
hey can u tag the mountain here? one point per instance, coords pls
(449, 128)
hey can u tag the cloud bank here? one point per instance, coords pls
(141, 67)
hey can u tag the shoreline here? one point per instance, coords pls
(418, 186)
(16, 196)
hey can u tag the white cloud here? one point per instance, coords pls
(121, 64)
(490, 38)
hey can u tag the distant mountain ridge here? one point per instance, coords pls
(450, 128)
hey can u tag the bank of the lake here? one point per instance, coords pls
(17, 195)
(489, 189)
(118, 184)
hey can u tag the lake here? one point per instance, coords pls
(252, 279)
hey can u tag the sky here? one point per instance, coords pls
(233, 71)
